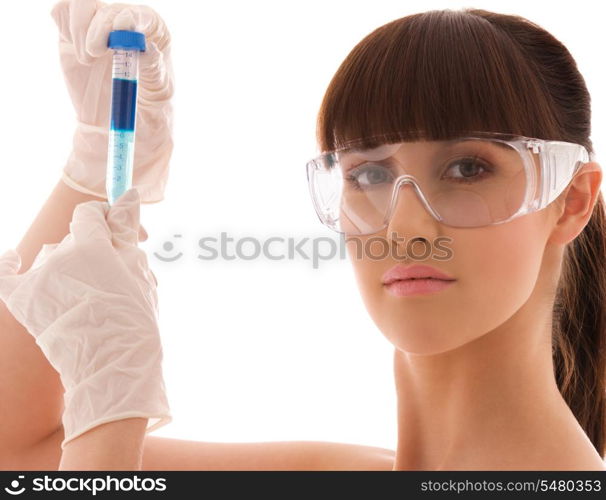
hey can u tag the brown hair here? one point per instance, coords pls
(443, 73)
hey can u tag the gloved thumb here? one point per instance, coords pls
(107, 18)
(88, 221)
(10, 263)
(125, 20)
(123, 219)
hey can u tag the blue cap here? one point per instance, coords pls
(127, 40)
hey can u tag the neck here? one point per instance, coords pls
(491, 403)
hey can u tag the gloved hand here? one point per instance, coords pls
(84, 27)
(90, 301)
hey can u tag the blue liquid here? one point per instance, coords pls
(121, 137)
(124, 104)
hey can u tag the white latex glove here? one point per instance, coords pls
(84, 27)
(90, 301)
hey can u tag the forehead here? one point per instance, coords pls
(423, 147)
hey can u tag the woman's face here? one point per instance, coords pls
(495, 270)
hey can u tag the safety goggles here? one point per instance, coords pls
(471, 181)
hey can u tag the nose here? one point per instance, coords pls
(409, 209)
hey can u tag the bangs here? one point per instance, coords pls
(435, 76)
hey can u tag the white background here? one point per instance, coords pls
(262, 350)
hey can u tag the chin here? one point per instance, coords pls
(424, 343)
(426, 331)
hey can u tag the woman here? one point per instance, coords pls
(499, 364)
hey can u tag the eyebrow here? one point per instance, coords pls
(384, 162)
(491, 141)
(500, 145)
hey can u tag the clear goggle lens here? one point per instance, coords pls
(469, 182)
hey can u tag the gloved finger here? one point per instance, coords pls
(155, 70)
(89, 221)
(80, 17)
(142, 233)
(154, 277)
(121, 16)
(103, 23)
(46, 250)
(60, 14)
(10, 263)
(153, 63)
(153, 26)
(156, 74)
(139, 266)
(123, 219)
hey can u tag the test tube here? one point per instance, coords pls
(125, 74)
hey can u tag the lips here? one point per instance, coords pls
(414, 272)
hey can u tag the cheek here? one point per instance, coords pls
(500, 267)
(496, 270)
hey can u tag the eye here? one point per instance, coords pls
(468, 170)
(368, 176)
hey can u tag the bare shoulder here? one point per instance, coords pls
(176, 454)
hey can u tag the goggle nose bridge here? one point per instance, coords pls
(398, 183)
